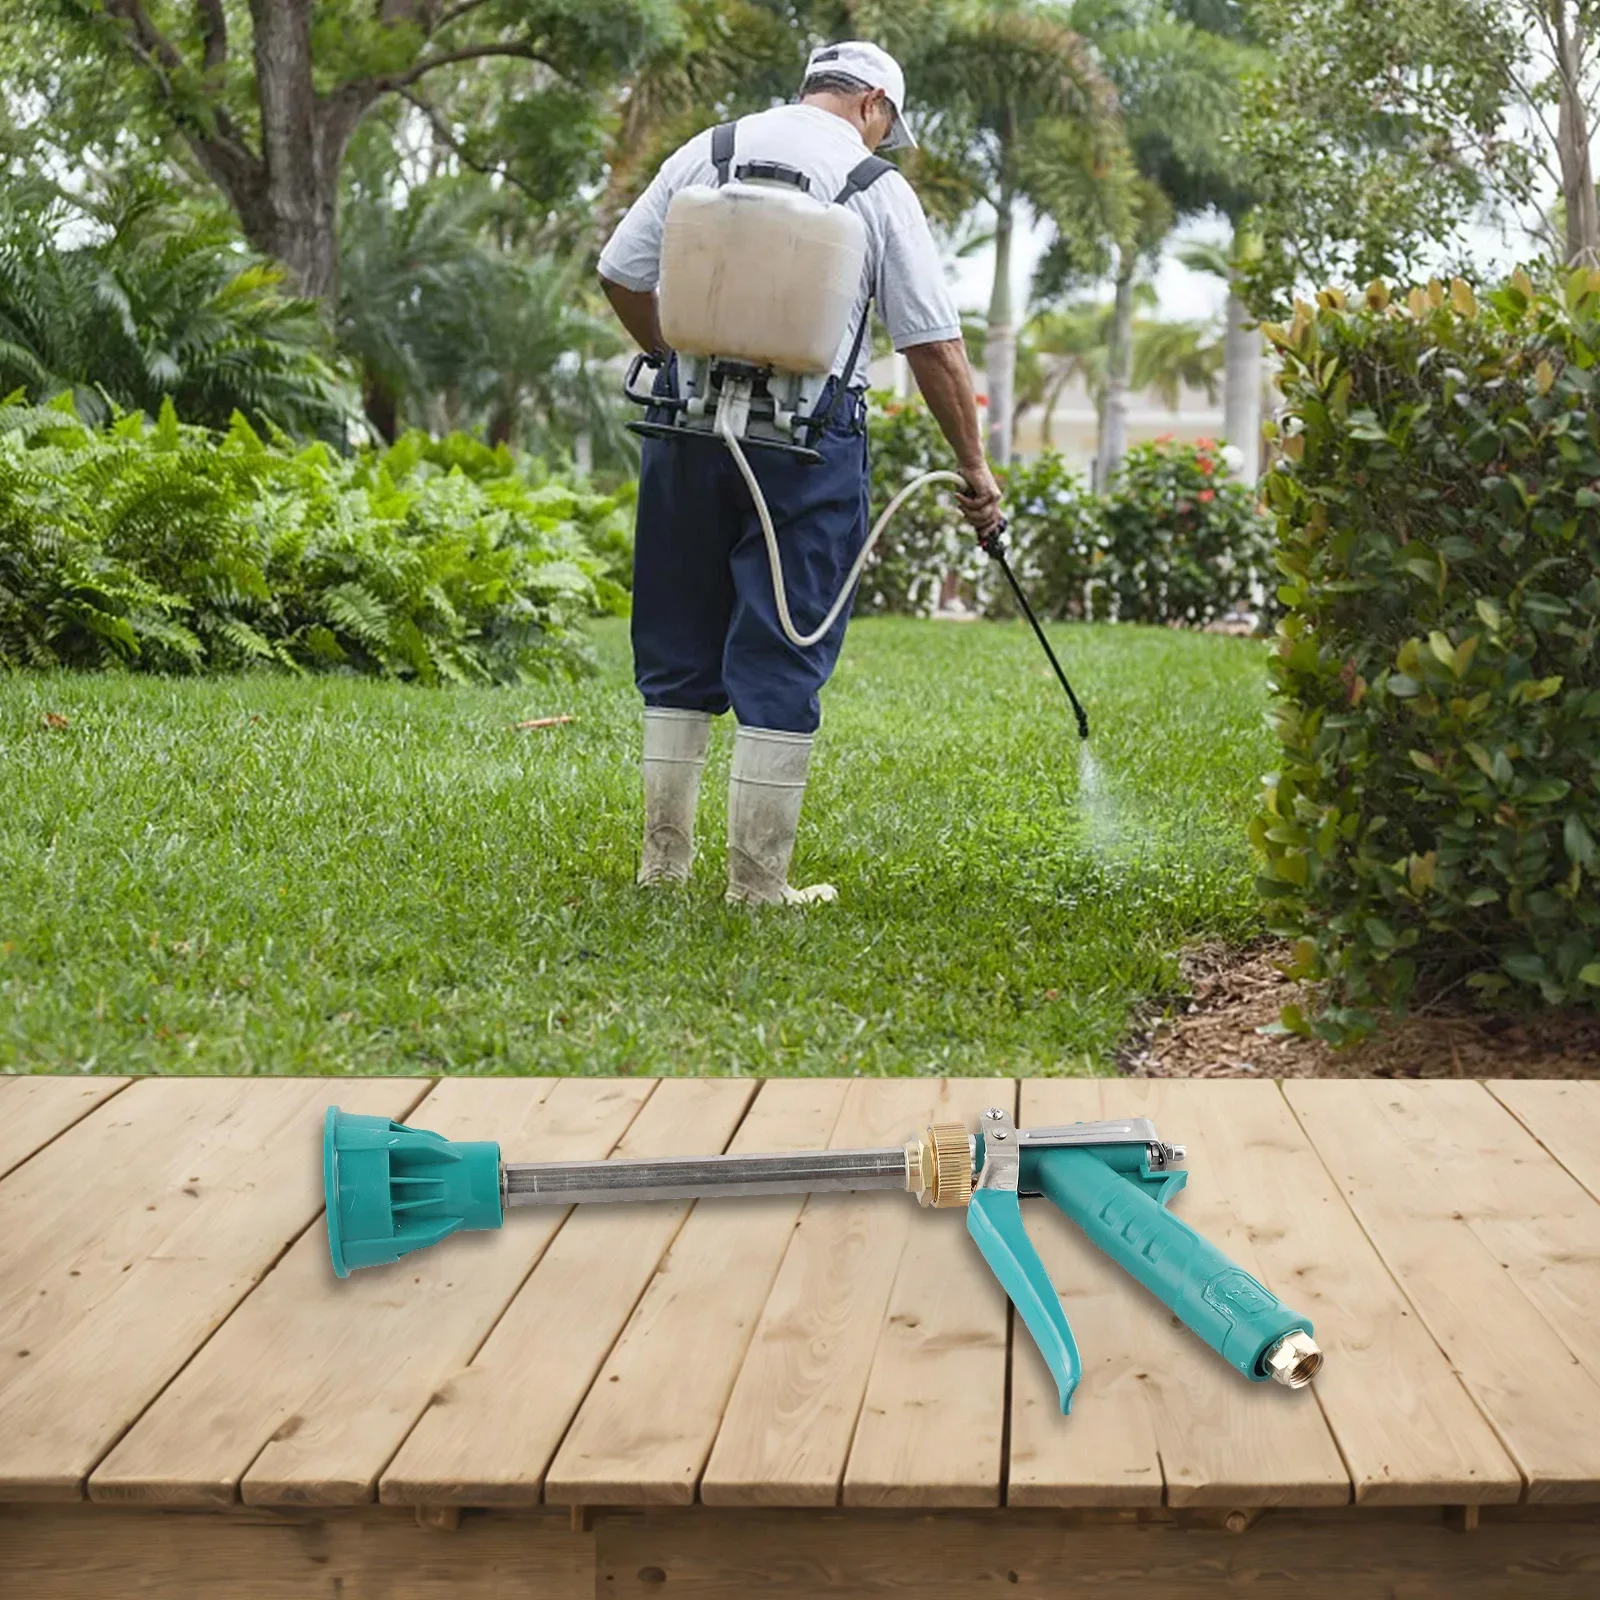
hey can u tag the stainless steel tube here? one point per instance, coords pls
(565, 1183)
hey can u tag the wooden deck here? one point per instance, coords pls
(789, 1396)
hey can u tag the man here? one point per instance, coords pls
(705, 629)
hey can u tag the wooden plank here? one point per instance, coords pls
(492, 1427)
(314, 1383)
(1495, 1245)
(647, 1426)
(1106, 1453)
(1220, 1439)
(932, 1422)
(786, 1435)
(131, 1237)
(1563, 1114)
(1410, 1434)
(34, 1110)
(374, 1553)
(1344, 1554)
(116, 1552)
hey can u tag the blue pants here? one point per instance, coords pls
(705, 624)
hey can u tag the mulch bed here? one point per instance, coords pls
(1215, 1033)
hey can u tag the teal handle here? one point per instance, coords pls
(994, 1219)
(1120, 1204)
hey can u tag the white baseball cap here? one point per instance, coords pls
(872, 68)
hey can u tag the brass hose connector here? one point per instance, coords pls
(939, 1166)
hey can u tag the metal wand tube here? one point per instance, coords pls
(565, 1183)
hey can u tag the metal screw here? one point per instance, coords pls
(994, 1114)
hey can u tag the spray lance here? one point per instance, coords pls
(392, 1189)
(754, 348)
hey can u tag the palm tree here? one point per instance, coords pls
(157, 302)
(1178, 86)
(1066, 343)
(1021, 116)
(411, 275)
(1241, 382)
(451, 331)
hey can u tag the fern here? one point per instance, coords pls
(170, 548)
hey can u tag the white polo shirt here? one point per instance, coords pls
(903, 273)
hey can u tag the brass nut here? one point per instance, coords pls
(950, 1155)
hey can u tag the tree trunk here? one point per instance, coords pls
(292, 212)
(1000, 349)
(1119, 365)
(1241, 387)
(1572, 141)
(382, 409)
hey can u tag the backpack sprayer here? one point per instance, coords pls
(755, 348)
(393, 1189)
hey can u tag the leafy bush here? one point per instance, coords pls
(1183, 542)
(156, 302)
(1175, 541)
(1055, 539)
(1436, 813)
(927, 537)
(171, 548)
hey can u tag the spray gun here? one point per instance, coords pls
(392, 1189)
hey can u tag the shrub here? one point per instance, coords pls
(1436, 815)
(1055, 541)
(1175, 541)
(172, 548)
(1183, 542)
(927, 537)
(154, 302)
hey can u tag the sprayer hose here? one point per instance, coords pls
(780, 593)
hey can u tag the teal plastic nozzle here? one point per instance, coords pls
(392, 1189)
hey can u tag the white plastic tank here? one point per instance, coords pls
(759, 272)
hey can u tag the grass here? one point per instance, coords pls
(266, 875)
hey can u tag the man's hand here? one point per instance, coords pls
(945, 380)
(981, 505)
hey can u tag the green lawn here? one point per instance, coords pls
(263, 875)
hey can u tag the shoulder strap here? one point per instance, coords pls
(862, 177)
(722, 150)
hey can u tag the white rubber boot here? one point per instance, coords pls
(765, 788)
(674, 754)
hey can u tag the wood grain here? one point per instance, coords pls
(1222, 1440)
(35, 1109)
(115, 1553)
(314, 1383)
(932, 1421)
(787, 1431)
(1563, 1115)
(491, 1428)
(1494, 1244)
(1346, 1554)
(647, 1426)
(131, 1237)
(1409, 1432)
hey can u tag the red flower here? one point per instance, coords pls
(1206, 495)
(1204, 444)
(1206, 465)
(1163, 438)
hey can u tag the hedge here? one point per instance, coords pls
(1175, 541)
(1435, 817)
(171, 548)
